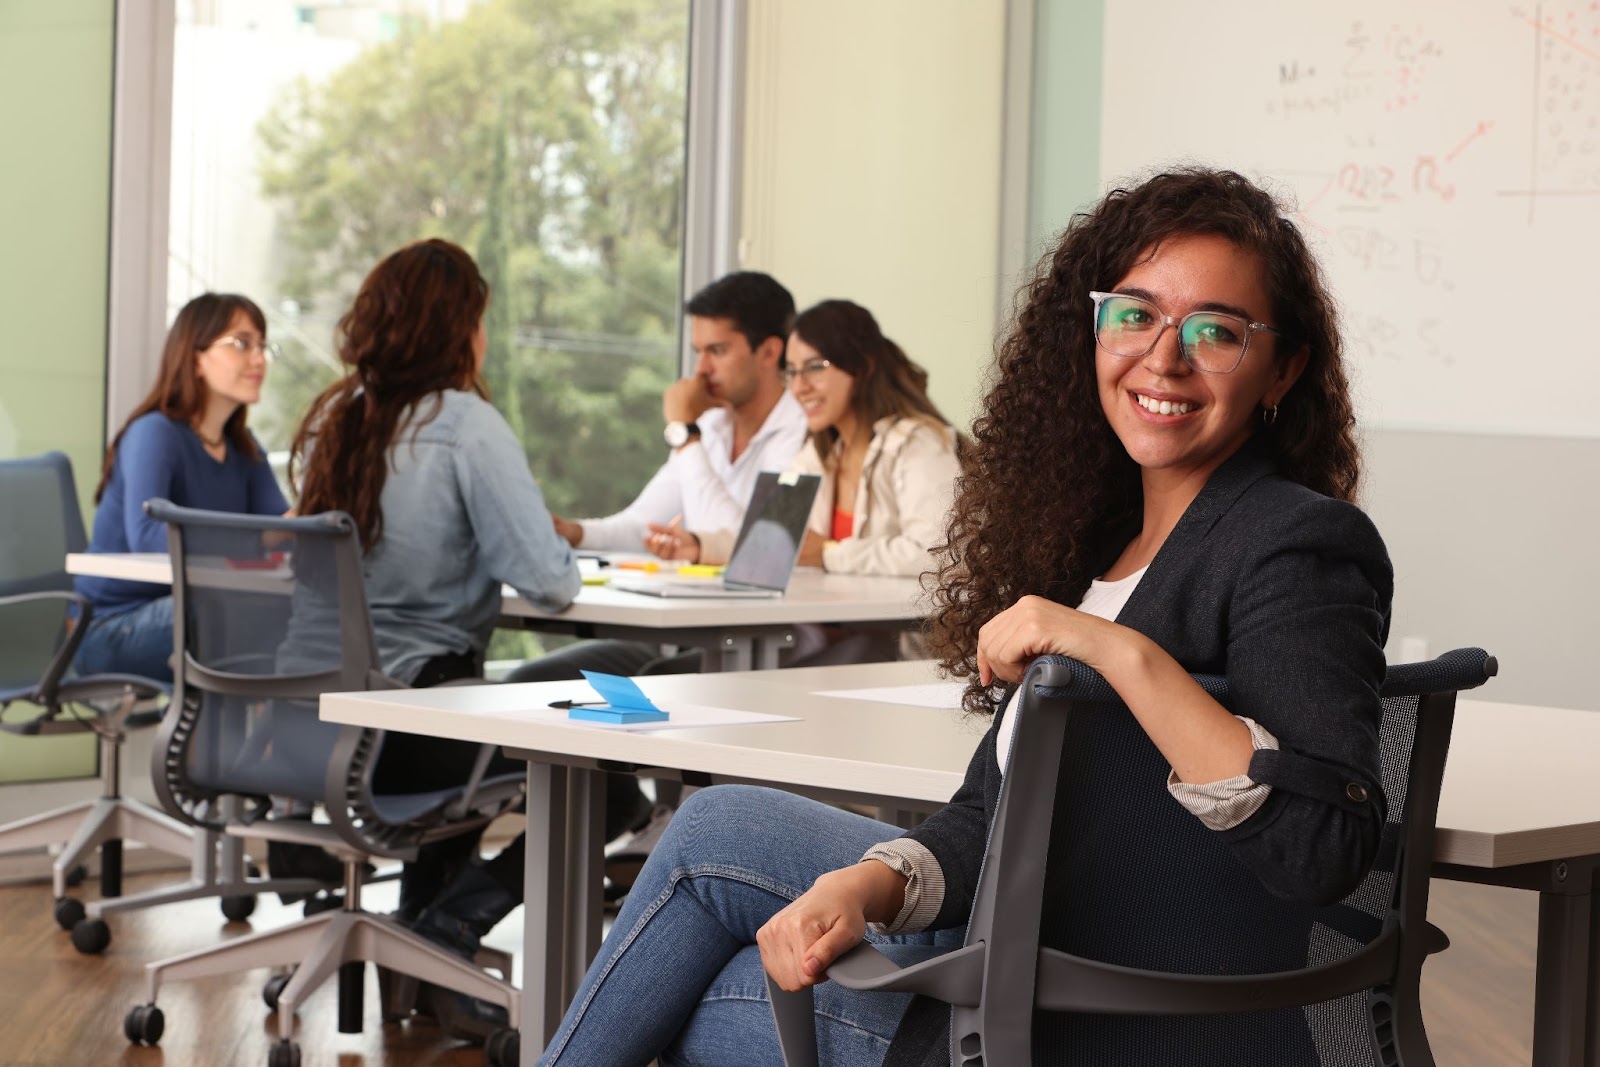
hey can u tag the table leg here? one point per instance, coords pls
(544, 887)
(1592, 1034)
(768, 649)
(585, 873)
(1566, 993)
(738, 653)
(1564, 981)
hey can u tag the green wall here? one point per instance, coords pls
(56, 59)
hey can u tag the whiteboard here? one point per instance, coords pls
(1444, 157)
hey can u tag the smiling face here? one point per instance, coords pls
(235, 365)
(824, 392)
(1171, 418)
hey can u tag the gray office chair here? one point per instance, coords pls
(39, 525)
(269, 614)
(1351, 970)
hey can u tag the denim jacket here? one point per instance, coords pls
(461, 515)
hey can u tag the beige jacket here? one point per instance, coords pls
(907, 484)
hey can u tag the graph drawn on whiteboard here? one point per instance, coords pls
(1444, 160)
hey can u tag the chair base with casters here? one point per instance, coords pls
(332, 943)
(997, 982)
(109, 819)
(217, 868)
(43, 621)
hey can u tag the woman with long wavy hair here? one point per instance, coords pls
(1161, 483)
(438, 485)
(187, 441)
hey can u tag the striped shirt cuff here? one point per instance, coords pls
(1225, 804)
(924, 884)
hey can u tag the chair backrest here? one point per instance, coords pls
(268, 614)
(39, 524)
(1350, 969)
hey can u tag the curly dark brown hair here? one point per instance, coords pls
(1049, 496)
(407, 337)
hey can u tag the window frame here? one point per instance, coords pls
(141, 179)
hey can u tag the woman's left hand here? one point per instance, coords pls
(1034, 627)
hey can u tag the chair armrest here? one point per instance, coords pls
(62, 660)
(796, 1020)
(1064, 678)
(956, 977)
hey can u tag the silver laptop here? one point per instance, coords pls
(764, 555)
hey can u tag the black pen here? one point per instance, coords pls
(565, 704)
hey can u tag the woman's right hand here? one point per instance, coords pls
(800, 942)
(672, 541)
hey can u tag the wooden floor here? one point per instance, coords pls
(60, 1009)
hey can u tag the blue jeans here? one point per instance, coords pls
(136, 641)
(680, 980)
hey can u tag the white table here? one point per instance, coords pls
(737, 634)
(1518, 807)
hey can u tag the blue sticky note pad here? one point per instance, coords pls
(625, 702)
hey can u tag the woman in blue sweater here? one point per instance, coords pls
(188, 442)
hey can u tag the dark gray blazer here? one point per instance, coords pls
(1287, 594)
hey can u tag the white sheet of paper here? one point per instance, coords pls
(943, 695)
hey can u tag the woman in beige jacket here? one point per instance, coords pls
(887, 457)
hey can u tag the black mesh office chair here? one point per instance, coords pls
(1354, 973)
(39, 524)
(269, 614)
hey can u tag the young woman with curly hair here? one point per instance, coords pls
(1161, 484)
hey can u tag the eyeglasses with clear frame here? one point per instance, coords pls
(245, 345)
(809, 370)
(1212, 342)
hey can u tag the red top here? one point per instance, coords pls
(844, 524)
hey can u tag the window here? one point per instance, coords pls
(544, 136)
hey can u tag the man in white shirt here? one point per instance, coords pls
(728, 421)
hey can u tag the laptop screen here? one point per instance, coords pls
(774, 524)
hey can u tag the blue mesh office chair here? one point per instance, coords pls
(269, 614)
(39, 524)
(1351, 970)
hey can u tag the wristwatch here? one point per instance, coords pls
(678, 434)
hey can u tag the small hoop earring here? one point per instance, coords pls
(1269, 415)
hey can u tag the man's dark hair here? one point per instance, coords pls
(756, 304)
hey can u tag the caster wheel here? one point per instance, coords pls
(284, 1054)
(238, 909)
(273, 988)
(503, 1048)
(76, 876)
(69, 912)
(321, 902)
(91, 936)
(143, 1024)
